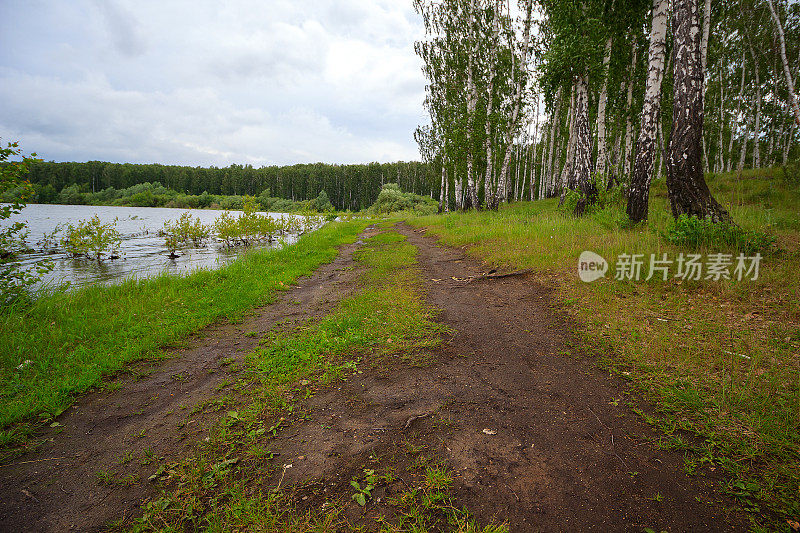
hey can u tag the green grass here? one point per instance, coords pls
(720, 358)
(223, 487)
(74, 339)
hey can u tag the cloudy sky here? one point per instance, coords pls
(198, 82)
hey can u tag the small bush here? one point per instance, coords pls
(694, 232)
(606, 206)
(392, 200)
(93, 239)
(791, 174)
(187, 228)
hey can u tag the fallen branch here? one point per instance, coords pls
(498, 276)
(34, 461)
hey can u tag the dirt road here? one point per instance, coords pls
(533, 431)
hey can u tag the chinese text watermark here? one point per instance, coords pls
(636, 267)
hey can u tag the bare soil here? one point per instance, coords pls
(561, 450)
(533, 431)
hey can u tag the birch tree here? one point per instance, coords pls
(786, 72)
(686, 186)
(646, 146)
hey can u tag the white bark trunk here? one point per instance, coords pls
(553, 130)
(757, 126)
(629, 125)
(489, 141)
(446, 192)
(442, 197)
(472, 102)
(745, 140)
(568, 160)
(736, 116)
(646, 145)
(786, 72)
(513, 125)
(719, 163)
(602, 152)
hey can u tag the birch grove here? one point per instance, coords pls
(588, 77)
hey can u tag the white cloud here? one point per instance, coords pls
(198, 83)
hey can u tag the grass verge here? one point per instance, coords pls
(66, 343)
(233, 482)
(719, 358)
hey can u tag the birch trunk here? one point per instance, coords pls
(720, 163)
(688, 192)
(769, 159)
(704, 63)
(458, 186)
(513, 124)
(629, 125)
(602, 153)
(566, 171)
(446, 192)
(583, 147)
(788, 144)
(472, 102)
(786, 72)
(745, 141)
(542, 173)
(646, 146)
(555, 119)
(736, 116)
(757, 126)
(442, 190)
(532, 167)
(489, 141)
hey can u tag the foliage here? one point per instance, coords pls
(392, 200)
(92, 238)
(288, 188)
(250, 227)
(693, 232)
(608, 208)
(322, 203)
(791, 173)
(15, 280)
(364, 491)
(184, 230)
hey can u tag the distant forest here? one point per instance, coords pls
(352, 187)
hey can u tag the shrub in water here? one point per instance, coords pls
(92, 238)
(187, 228)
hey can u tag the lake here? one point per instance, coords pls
(143, 251)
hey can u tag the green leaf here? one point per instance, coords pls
(360, 499)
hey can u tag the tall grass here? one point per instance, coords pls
(719, 357)
(66, 342)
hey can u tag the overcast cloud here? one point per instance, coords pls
(201, 83)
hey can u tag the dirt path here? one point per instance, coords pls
(92, 469)
(563, 451)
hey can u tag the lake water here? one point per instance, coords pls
(143, 251)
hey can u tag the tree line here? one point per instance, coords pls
(552, 97)
(348, 187)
